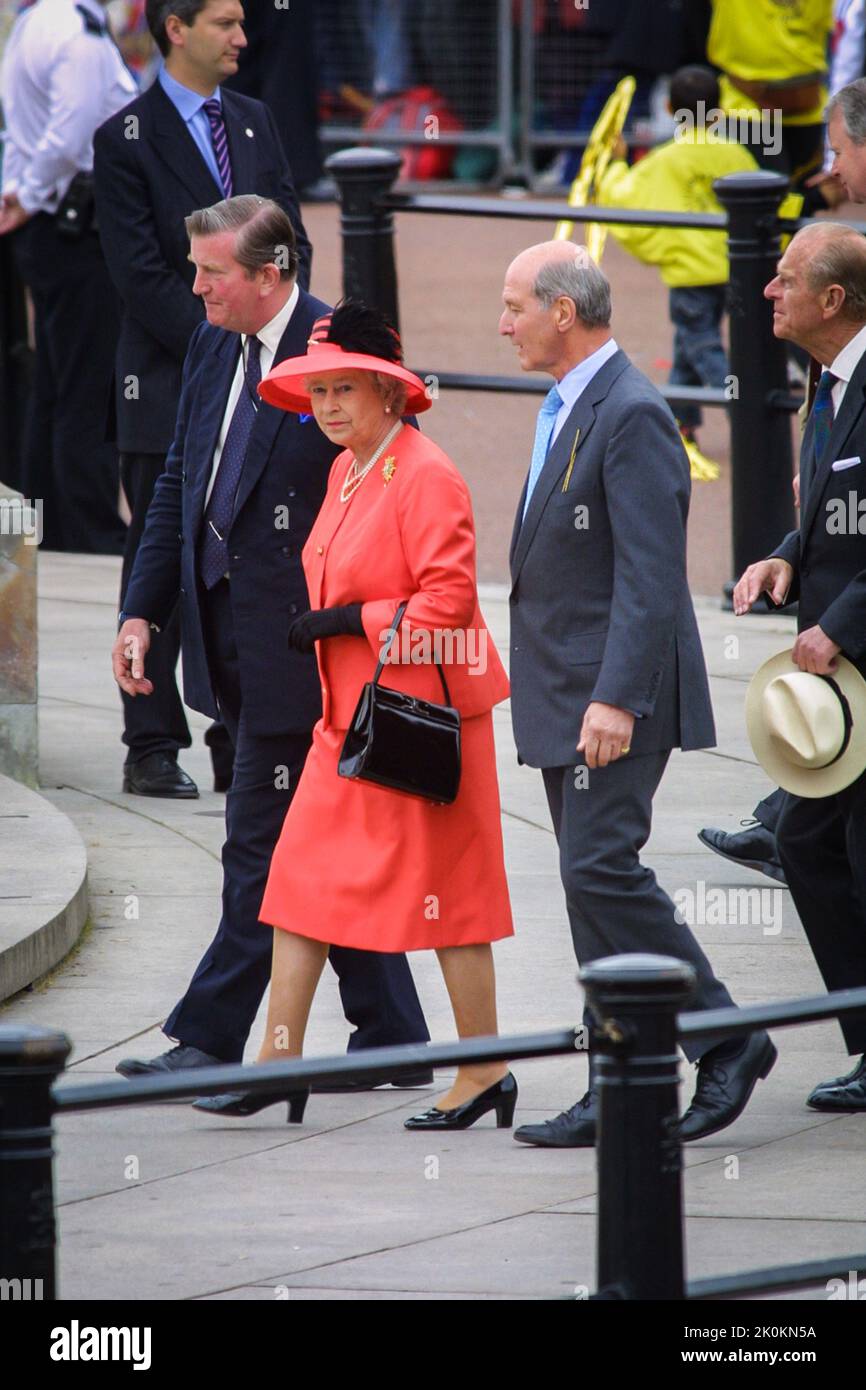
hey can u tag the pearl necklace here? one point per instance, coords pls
(355, 476)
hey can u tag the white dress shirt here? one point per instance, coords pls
(269, 337)
(844, 365)
(59, 84)
(575, 382)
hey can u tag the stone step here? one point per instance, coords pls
(43, 886)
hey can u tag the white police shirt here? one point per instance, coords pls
(60, 80)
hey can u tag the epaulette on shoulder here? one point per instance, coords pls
(92, 25)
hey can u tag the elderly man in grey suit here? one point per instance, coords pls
(607, 670)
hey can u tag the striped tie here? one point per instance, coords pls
(214, 113)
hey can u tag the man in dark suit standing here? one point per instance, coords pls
(607, 670)
(242, 485)
(179, 146)
(819, 302)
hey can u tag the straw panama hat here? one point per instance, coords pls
(808, 732)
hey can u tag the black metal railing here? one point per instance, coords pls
(635, 1003)
(758, 402)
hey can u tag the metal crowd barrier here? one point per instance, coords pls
(634, 1002)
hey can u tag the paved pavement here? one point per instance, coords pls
(162, 1202)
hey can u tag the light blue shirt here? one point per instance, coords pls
(190, 107)
(575, 382)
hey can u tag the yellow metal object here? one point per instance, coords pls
(596, 158)
(702, 469)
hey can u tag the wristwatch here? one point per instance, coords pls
(123, 616)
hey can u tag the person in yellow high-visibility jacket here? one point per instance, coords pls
(774, 58)
(678, 177)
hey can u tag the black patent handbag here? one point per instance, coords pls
(399, 741)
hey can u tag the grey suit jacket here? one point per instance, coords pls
(828, 552)
(600, 606)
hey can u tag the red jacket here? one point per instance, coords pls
(412, 537)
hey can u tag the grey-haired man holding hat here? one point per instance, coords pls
(819, 302)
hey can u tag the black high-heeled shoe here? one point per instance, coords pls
(502, 1098)
(241, 1103)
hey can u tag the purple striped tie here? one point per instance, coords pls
(214, 113)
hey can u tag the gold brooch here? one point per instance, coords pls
(389, 468)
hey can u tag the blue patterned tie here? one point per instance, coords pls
(214, 113)
(213, 554)
(543, 430)
(822, 415)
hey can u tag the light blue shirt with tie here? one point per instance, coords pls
(190, 107)
(561, 399)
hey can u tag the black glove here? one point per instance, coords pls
(325, 622)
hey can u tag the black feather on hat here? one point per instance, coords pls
(356, 327)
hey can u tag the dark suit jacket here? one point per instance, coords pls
(149, 176)
(286, 467)
(600, 606)
(827, 553)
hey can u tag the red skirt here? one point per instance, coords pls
(359, 865)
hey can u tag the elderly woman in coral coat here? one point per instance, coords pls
(358, 864)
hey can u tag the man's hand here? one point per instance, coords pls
(127, 657)
(605, 734)
(816, 652)
(773, 576)
(12, 214)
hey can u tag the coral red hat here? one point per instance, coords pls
(283, 385)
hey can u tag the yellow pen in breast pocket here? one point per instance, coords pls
(567, 479)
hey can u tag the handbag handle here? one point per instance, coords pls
(395, 628)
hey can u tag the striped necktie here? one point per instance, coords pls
(543, 430)
(214, 112)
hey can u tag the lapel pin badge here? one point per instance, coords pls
(304, 419)
(567, 478)
(249, 133)
(389, 468)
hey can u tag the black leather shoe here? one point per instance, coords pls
(422, 1077)
(573, 1129)
(843, 1093)
(179, 1058)
(502, 1098)
(754, 848)
(158, 775)
(725, 1085)
(240, 1104)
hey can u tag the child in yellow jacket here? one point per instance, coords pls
(678, 177)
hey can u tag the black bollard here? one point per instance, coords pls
(634, 1000)
(30, 1061)
(364, 176)
(762, 506)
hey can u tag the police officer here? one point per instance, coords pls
(62, 76)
